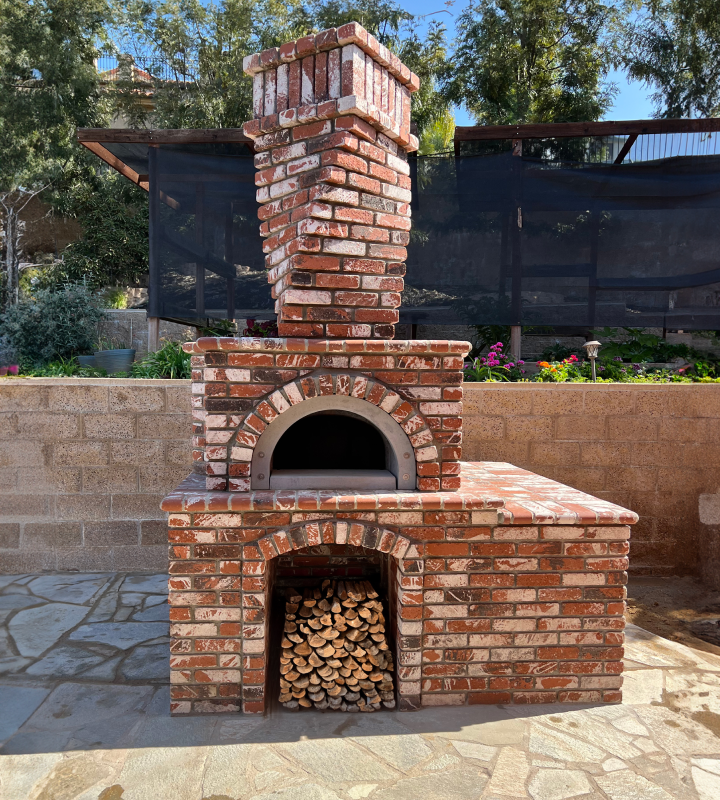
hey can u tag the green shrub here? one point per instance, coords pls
(639, 346)
(52, 324)
(495, 366)
(261, 329)
(487, 335)
(64, 368)
(572, 370)
(113, 248)
(218, 327)
(114, 297)
(170, 361)
(558, 352)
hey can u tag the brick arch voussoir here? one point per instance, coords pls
(322, 384)
(319, 532)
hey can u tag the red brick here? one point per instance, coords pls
(387, 251)
(312, 129)
(357, 126)
(345, 160)
(447, 549)
(353, 215)
(364, 265)
(489, 698)
(366, 184)
(369, 234)
(383, 173)
(321, 77)
(583, 609)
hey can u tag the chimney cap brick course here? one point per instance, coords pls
(350, 33)
(356, 76)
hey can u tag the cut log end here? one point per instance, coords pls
(335, 653)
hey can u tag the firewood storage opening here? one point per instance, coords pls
(336, 650)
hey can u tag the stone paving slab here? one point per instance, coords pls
(84, 716)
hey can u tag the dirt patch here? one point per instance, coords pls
(679, 609)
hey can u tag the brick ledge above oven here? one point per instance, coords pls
(288, 344)
(514, 495)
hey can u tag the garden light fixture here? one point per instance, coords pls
(591, 348)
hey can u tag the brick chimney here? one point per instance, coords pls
(332, 134)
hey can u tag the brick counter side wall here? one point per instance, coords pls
(486, 613)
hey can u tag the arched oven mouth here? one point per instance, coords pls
(334, 442)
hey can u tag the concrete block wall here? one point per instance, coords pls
(652, 448)
(84, 465)
(72, 499)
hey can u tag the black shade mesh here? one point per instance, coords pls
(552, 238)
(206, 257)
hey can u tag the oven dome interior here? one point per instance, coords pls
(330, 441)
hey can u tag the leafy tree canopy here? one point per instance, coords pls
(48, 84)
(48, 87)
(674, 46)
(113, 249)
(196, 52)
(520, 61)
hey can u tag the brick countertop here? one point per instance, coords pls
(520, 497)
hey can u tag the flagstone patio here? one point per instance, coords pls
(84, 716)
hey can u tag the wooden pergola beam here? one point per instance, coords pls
(162, 135)
(563, 130)
(116, 163)
(95, 139)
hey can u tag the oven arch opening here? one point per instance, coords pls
(334, 442)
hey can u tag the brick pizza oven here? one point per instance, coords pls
(334, 451)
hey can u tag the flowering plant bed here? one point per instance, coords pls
(497, 366)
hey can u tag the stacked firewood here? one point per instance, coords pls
(335, 653)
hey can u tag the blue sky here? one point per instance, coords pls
(631, 101)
